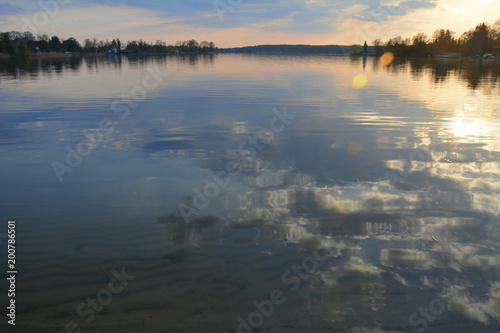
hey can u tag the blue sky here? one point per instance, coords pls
(245, 22)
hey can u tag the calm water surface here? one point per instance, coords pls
(252, 193)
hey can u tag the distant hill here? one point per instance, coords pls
(292, 49)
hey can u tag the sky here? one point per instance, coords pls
(233, 23)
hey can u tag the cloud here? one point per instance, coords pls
(354, 9)
(86, 21)
(7, 9)
(420, 4)
(248, 22)
(482, 311)
(308, 17)
(377, 11)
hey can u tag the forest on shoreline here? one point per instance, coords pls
(484, 39)
(478, 41)
(25, 43)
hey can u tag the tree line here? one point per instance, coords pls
(480, 40)
(24, 43)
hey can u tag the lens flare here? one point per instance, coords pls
(355, 148)
(386, 58)
(359, 81)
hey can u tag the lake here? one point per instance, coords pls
(251, 193)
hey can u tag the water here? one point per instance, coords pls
(360, 198)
